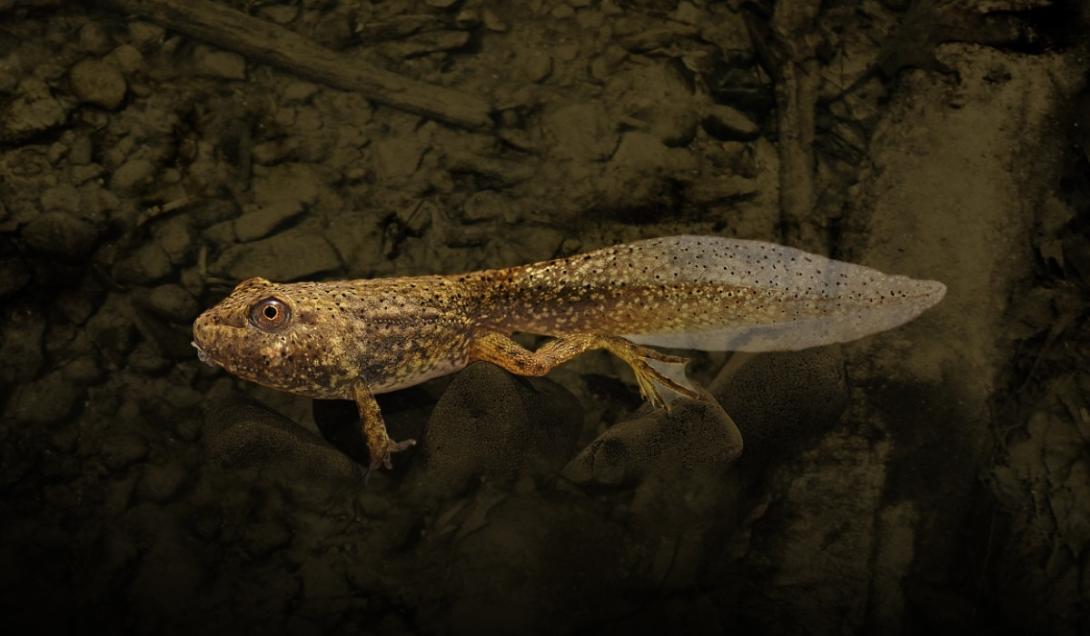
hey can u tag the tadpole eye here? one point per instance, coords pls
(270, 314)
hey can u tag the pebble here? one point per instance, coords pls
(94, 39)
(567, 52)
(60, 234)
(98, 83)
(484, 205)
(171, 302)
(83, 370)
(688, 13)
(293, 181)
(220, 235)
(176, 239)
(562, 11)
(135, 174)
(293, 255)
(61, 198)
(726, 124)
(121, 450)
(147, 359)
(34, 111)
(146, 34)
(299, 92)
(127, 58)
(147, 264)
(603, 67)
(492, 22)
(468, 18)
(222, 64)
(76, 304)
(260, 221)
(280, 14)
(192, 281)
(581, 131)
(48, 399)
(537, 65)
(397, 157)
(111, 328)
(260, 539)
(333, 31)
(159, 484)
(80, 151)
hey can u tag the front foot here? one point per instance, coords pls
(379, 445)
(380, 457)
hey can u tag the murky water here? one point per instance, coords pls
(154, 153)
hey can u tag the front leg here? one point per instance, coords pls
(379, 444)
(503, 351)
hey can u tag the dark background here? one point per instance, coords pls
(937, 475)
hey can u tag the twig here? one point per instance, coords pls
(272, 44)
(157, 211)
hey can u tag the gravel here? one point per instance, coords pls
(98, 83)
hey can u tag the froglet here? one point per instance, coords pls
(352, 339)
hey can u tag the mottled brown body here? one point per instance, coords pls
(351, 339)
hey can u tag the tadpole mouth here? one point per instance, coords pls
(200, 333)
(201, 355)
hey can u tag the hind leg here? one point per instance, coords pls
(503, 351)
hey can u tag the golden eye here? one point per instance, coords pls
(270, 314)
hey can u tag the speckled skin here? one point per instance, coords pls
(351, 339)
(390, 333)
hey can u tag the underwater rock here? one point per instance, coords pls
(397, 158)
(83, 370)
(61, 198)
(259, 221)
(94, 39)
(32, 112)
(60, 234)
(222, 64)
(536, 65)
(147, 264)
(133, 175)
(682, 499)
(127, 58)
(728, 124)
(160, 483)
(665, 444)
(121, 450)
(48, 399)
(243, 435)
(493, 425)
(171, 302)
(522, 558)
(581, 131)
(783, 400)
(176, 239)
(98, 83)
(296, 182)
(292, 255)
